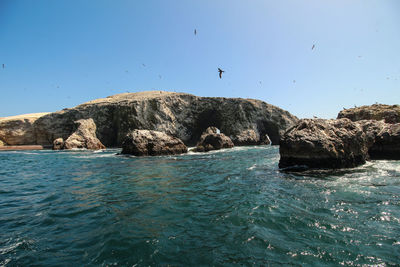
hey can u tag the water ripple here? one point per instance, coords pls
(229, 207)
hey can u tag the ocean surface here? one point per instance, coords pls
(225, 208)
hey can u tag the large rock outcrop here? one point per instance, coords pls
(152, 143)
(178, 114)
(338, 143)
(83, 137)
(388, 113)
(324, 144)
(213, 139)
(19, 130)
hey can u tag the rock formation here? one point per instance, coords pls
(213, 139)
(338, 143)
(152, 143)
(19, 130)
(182, 115)
(83, 137)
(324, 144)
(383, 139)
(388, 113)
(58, 144)
(2, 143)
(250, 137)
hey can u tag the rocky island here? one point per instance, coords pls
(179, 115)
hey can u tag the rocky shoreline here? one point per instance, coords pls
(165, 123)
(356, 136)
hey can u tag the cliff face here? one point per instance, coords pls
(388, 113)
(18, 130)
(181, 115)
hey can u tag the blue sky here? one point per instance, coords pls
(59, 54)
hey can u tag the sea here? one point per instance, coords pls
(230, 207)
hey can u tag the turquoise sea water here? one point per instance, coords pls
(225, 208)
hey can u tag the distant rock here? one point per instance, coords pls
(250, 137)
(322, 143)
(213, 139)
(152, 143)
(83, 137)
(388, 113)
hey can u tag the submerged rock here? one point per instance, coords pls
(213, 139)
(83, 137)
(388, 113)
(152, 143)
(324, 144)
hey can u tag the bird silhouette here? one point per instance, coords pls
(4, 66)
(220, 73)
(313, 46)
(195, 31)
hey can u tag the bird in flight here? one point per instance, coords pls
(195, 31)
(313, 46)
(4, 66)
(220, 73)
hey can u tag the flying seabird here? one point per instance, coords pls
(4, 66)
(220, 73)
(195, 31)
(313, 46)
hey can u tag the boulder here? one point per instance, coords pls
(2, 143)
(388, 113)
(319, 143)
(213, 139)
(152, 143)
(58, 144)
(83, 137)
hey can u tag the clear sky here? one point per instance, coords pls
(60, 53)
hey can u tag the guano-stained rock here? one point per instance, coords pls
(388, 113)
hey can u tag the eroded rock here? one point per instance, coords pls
(213, 139)
(83, 137)
(152, 143)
